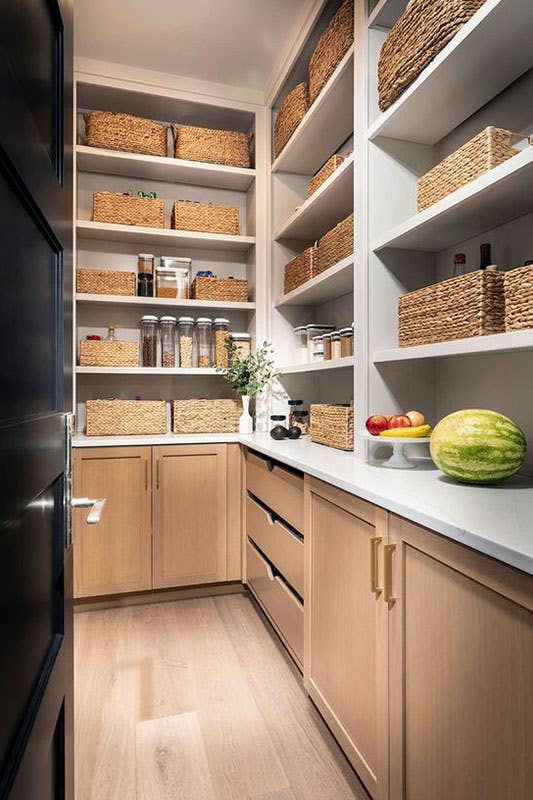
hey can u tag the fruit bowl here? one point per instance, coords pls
(398, 459)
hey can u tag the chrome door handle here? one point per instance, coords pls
(96, 506)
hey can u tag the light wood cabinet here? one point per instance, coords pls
(114, 556)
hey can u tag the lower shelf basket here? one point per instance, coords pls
(125, 417)
(205, 416)
(332, 425)
(104, 353)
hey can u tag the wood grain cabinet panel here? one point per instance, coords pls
(277, 487)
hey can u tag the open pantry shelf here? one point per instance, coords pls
(331, 203)
(327, 124)
(108, 232)
(148, 371)
(318, 366)
(512, 341)
(385, 13)
(485, 56)
(172, 170)
(160, 302)
(503, 194)
(330, 284)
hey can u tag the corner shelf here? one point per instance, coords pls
(386, 12)
(512, 341)
(148, 371)
(318, 366)
(330, 284)
(160, 302)
(105, 231)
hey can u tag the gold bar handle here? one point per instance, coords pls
(375, 541)
(387, 574)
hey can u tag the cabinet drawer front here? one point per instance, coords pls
(278, 543)
(280, 489)
(280, 603)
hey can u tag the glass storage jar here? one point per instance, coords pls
(242, 343)
(166, 283)
(301, 421)
(145, 264)
(318, 348)
(346, 335)
(315, 330)
(294, 405)
(168, 341)
(335, 345)
(182, 269)
(300, 345)
(221, 338)
(145, 275)
(149, 328)
(204, 337)
(327, 346)
(185, 338)
(279, 430)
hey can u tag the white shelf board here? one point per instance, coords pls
(498, 196)
(159, 302)
(385, 13)
(174, 170)
(330, 204)
(318, 366)
(332, 283)
(105, 231)
(147, 371)
(485, 56)
(512, 341)
(327, 124)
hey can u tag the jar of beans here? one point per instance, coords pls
(346, 342)
(221, 337)
(335, 345)
(204, 337)
(168, 341)
(185, 335)
(149, 327)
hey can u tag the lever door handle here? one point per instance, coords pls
(96, 506)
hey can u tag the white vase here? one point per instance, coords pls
(246, 423)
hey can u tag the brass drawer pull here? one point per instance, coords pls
(387, 569)
(375, 541)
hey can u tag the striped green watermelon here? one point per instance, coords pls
(478, 446)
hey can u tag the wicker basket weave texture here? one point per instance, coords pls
(206, 416)
(105, 281)
(323, 174)
(331, 47)
(492, 146)
(336, 244)
(125, 417)
(518, 290)
(229, 148)
(332, 426)
(300, 269)
(291, 112)
(125, 209)
(125, 132)
(468, 305)
(103, 353)
(422, 31)
(188, 215)
(233, 290)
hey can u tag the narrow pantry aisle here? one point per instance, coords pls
(196, 700)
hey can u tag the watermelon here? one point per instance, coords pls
(478, 446)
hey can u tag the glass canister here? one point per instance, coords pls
(145, 264)
(168, 341)
(346, 335)
(279, 430)
(222, 338)
(204, 338)
(318, 348)
(145, 276)
(326, 339)
(294, 405)
(242, 343)
(301, 421)
(182, 270)
(149, 328)
(315, 330)
(185, 337)
(300, 345)
(335, 345)
(166, 284)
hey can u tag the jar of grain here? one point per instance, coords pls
(335, 345)
(204, 339)
(168, 341)
(149, 327)
(166, 283)
(346, 335)
(242, 343)
(182, 270)
(185, 335)
(326, 339)
(222, 338)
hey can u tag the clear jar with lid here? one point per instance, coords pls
(145, 275)
(326, 339)
(185, 339)
(318, 348)
(204, 341)
(279, 430)
(294, 406)
(346, 335)
(300, 345)
(166, 284)
(182, 271)
(314, 330)
(145, 263)
(149, 329)
(242, 343)
(168, 341)
(221, 336)
(335, 344)
(301, 421)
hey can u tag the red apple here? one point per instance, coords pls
(376, 424)
(399, 421)
(416, 417)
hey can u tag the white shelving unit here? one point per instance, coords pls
(162, 303)
(161, 237)
(148, 372)
(330, 284)
(511, 342)
(319, 366)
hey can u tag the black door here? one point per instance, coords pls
(36, 683)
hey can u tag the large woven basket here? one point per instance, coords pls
(125, 209)
(105, 281)
(124, 132)
(229, 148)
(323, 174)
(335, 245)
(291, 112)
(332, 425)
(518, 290)
(300, 269)
(205, 217)
(330, 49)
(205, 416)
(468, 305)
(125, 417)
(485, 151)
(103, 353)
(233, 290)
(422, 31)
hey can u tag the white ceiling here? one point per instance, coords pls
(234, 42)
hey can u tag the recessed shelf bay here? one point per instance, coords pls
(317, 366)
(333, 282)
(105, 231)
(512, 341)
(160, 302)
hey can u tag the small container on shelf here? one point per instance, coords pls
(301, 421)
(166, 284)
(185, 341)
(318, 348)
(279, 429)
(300, 345)
(182, 269)
(295, 414)
(326, 339)
(145, 285)
(145, 264)
(204, 340)
(346, 335)
(242, 343)
(168, 341)
(335, 345)
(221, 340)
(149, 330)
(313, 330)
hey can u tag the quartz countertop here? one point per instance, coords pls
(81, 440)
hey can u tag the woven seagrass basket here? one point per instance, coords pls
(204, 217)
(422, 31)
(331, 47)
(125, 417)
(335, 245)
(323, 174)
(291, 112)
(105, 281)
(468, 305)
(492, 146)
(300, 269)
(229, 148)
(233, 290)
(205, 416)
(103, 353)
(518, 290)
(332, 426)
(125, 209)
(125, 132)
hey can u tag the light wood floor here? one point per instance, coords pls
(195, 700)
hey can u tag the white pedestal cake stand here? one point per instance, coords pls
(398, 459)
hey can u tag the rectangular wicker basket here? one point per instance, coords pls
(300, 269)
(323, 174)
(105, 281)
(125, 209)
(332, 426)
(233, 290)
(103, 353)
(205, 416)
(336, 244)
(518, 291)
(492, 146)
(125, 132)
(291, 112)
(229, 148)
(204, 217)
(125, 417)
(468, 305)
(422, 31)
(331, 47)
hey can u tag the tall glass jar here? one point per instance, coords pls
(314, 330)
(346, 342)
(335, 345)
(242, 343)
(300, 345)
(221, 337)
(149, 327)
(318, 348)
(327, 346)
(185, 338)
(204, 339)
(168, 341)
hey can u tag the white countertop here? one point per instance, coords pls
(81, 440)
(495, 520)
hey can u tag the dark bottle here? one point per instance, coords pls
(459, 262)
(484, 256)
(279, 431)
